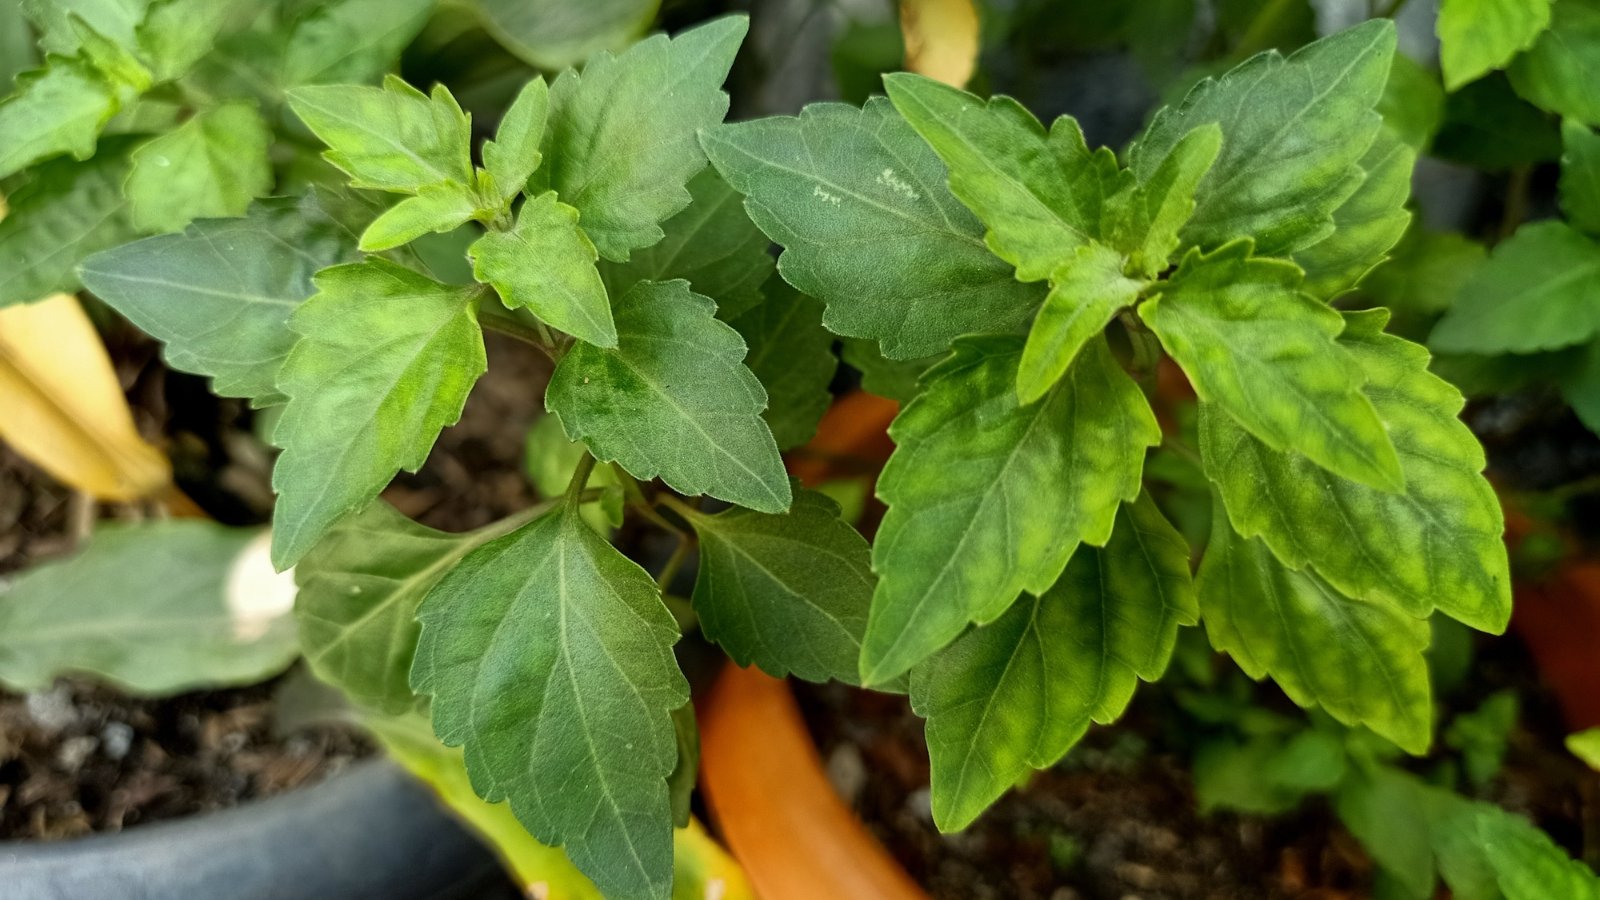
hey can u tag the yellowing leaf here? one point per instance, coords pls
(64, 409)
(941, 38)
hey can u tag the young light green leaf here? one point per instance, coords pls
(1148, 217)
(548, 656)
(555, 33)
(1367, 225)
(792, 356)
(1479, 36)
(546, 264)
(988, 498)
(621, 141)
(116, 21)
(514, 154)
(1413, 103)
(176, 34)
(1017, 693)
(1041, 195)
(868, 227)
(1540, 290)
(219, 295)
(1558, 75)
(1255, 346)
(435, 209)
(712, 244)
(385, 360)
(64, 212)
(1293, 133)
(351, 40)
(1438, 545)
(1580, 177)
(60, 108)
(359, 592)
(1527, 864)
(209, 167)
(393, 138)
(1086, 293)
(673, 400)
(786, 592)
(156, 607)
(1361, 661)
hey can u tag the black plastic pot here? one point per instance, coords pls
(371, 833)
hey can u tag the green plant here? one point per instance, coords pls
(1019, 290)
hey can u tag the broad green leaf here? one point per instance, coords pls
(359, 590)
(712, 244)
(1423, 275)
(17, 51)
(548, 656)
(435, 209)
(1478, 36)
(114, 20)
(1293, 134)
(393, 138)
(1367, 225)
(384, 362)
(551, 34)
(1413, 103)
(65, 211)
(868, 227)
(1487, 126)
(1558, 75)
(621, 144)
(546, 264)
(988, 498)
(1580, 177)
(1017, 693)
(1086, 293)
(1258, 348)
(786, 592)
(1150, 215)
(1387, 811)
(1438, 545)
(1540, 290)
(1041, 195)
(351, 40)
(1360, 661)
(514, 154)
(57, 109)
(176, 34)
(155, 607)
(1528, 865)
(1581, 387)
(219, 295)
(892, 378)
(681, 781)
(1266, 774)
(673, 400)
(209, 167)
(791, 355)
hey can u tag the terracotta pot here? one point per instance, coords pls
(1559, 619)
(772, 802)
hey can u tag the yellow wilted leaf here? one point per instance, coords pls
(61, 405)
(941, 39)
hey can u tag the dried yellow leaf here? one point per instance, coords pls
(941, 39)
(61, 405)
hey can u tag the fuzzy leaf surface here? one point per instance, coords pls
(786, 592)
(1367, 225)
(1436, 546)
(988, 498)
(64, 212)
(546, 264)
(1042, 195)
(1267, 354)
(1150, 215)
(1016, 694)
(1086, 293)
(673, 399)
(57, 109)
(1293, 133)
(868, 227)
(1360, 661)
(393, 138)
(385, 360)
(219, 295)
(211, 166)
(351, 40)
(1539, 291)
(513, 156)
(548, 656)
(621, 143)
(434, 209)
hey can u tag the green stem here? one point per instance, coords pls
(580, 480)
(642, 504)
(674, 563)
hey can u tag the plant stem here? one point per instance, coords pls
(674, 563)
(580, 480)
(641, 503)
